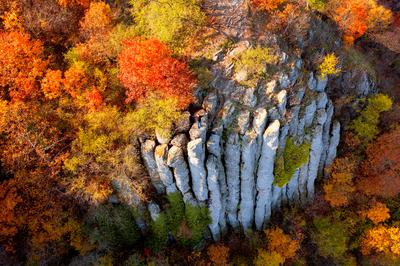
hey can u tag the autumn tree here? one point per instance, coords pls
(33, 148)
(339, 187)
(22, 65)
(379, 173)
(282, 243)
(97, 19)
(147, 66)
(50, 20)
(356, 17)
(377, 213)
(381, 239)
(329, 65)
(100, 155)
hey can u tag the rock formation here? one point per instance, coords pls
(227, 158)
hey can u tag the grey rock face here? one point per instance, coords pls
(154, 210)
(247, 179)
(333, 143)
(309, 113)
(176, 160)
(326, 137)
(321, 84)
(196, 154)
(210, 103)
(180, 141)
(215, 201)
(322, 100)
(147, 151)
(315, 156)
(281, 98)
(161, 155)
(265, 173)
(243, 121)
(292, 192)
(284, 81)
(364, 86)
(199, 129)
(232, 166)
(312, 82)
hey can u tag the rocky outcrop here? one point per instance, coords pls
(227, 158)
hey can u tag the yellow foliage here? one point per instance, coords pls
(381, 239)
(329, 65)
(268, 258)
(12, 20)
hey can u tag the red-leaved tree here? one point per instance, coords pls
(147, 66)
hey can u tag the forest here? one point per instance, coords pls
(200, 132)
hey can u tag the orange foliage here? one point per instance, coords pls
(97, 19)
(282, 243)
(66, 3)
(147, 66)
(32, 154)
(340, 185)
(380, 171)
(95, 99)
(377, 213)
(218, 254)
(22, 64)
(267, 5)
(356, 17)
(75, 80)
(381, 239)
(52, 84)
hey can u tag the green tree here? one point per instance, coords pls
(185, 222)
(366, 124)
(331, 237)
(112, 227)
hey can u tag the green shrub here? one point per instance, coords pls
(318, 5)
(331, 237)
(186, 223)
(293, 157)
(170, 21)
(113, 227)
(134, 260)
(366, 124)
(154, 114)
(254, 62)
